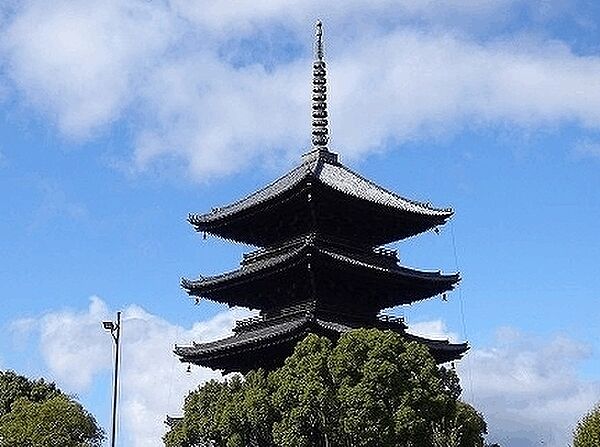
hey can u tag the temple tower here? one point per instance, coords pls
(321, 267)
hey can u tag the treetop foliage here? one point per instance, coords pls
(14, 387)
(372, 389)
(36, 413)
(587, 432)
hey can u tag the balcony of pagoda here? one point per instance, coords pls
(316, 310)
(378, 255)
(315, 269)
(266, 343)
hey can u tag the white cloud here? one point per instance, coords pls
(73, 345)
(435, 329)
(78, 61)
(246, 15)
(76, 350)
(429, 84)
(164, 68)
(153, 381)
(218, 118)
(528, 388)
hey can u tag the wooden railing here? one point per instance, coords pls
(391, 318)
(311, 306)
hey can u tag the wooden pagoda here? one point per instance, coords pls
(322, 268)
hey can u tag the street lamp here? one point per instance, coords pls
(115, 332)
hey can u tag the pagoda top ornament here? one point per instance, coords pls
(320, 123)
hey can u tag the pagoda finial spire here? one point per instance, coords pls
(320, 131)
(319, 42)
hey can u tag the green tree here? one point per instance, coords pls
(587, 432)
(14, 387)
(304, 395)
(232, 413)
(371, 389)
(35, 413)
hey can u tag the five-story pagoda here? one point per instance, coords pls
(322, 268)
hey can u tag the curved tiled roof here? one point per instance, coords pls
(271, 191)
(343, 179)
(278, 332)
(322, 166)
(446, 351)
(267, 263)
(297, 253)
(262, 334)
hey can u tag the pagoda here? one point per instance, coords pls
(321, 267)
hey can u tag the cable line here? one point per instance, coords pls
(462, 311)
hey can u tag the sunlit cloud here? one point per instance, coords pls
(527, 388)
(166, 70)
(76, 352)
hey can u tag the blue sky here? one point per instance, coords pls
(119, 118)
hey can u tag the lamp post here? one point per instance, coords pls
(115, 332)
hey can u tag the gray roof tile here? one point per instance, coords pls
(322, 166)
(281, 330)
(298, 250)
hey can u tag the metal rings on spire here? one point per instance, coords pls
(320, 123)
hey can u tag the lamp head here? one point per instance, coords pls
(108, 325)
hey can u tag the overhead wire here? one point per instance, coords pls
(173, 364)
(462, 312)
